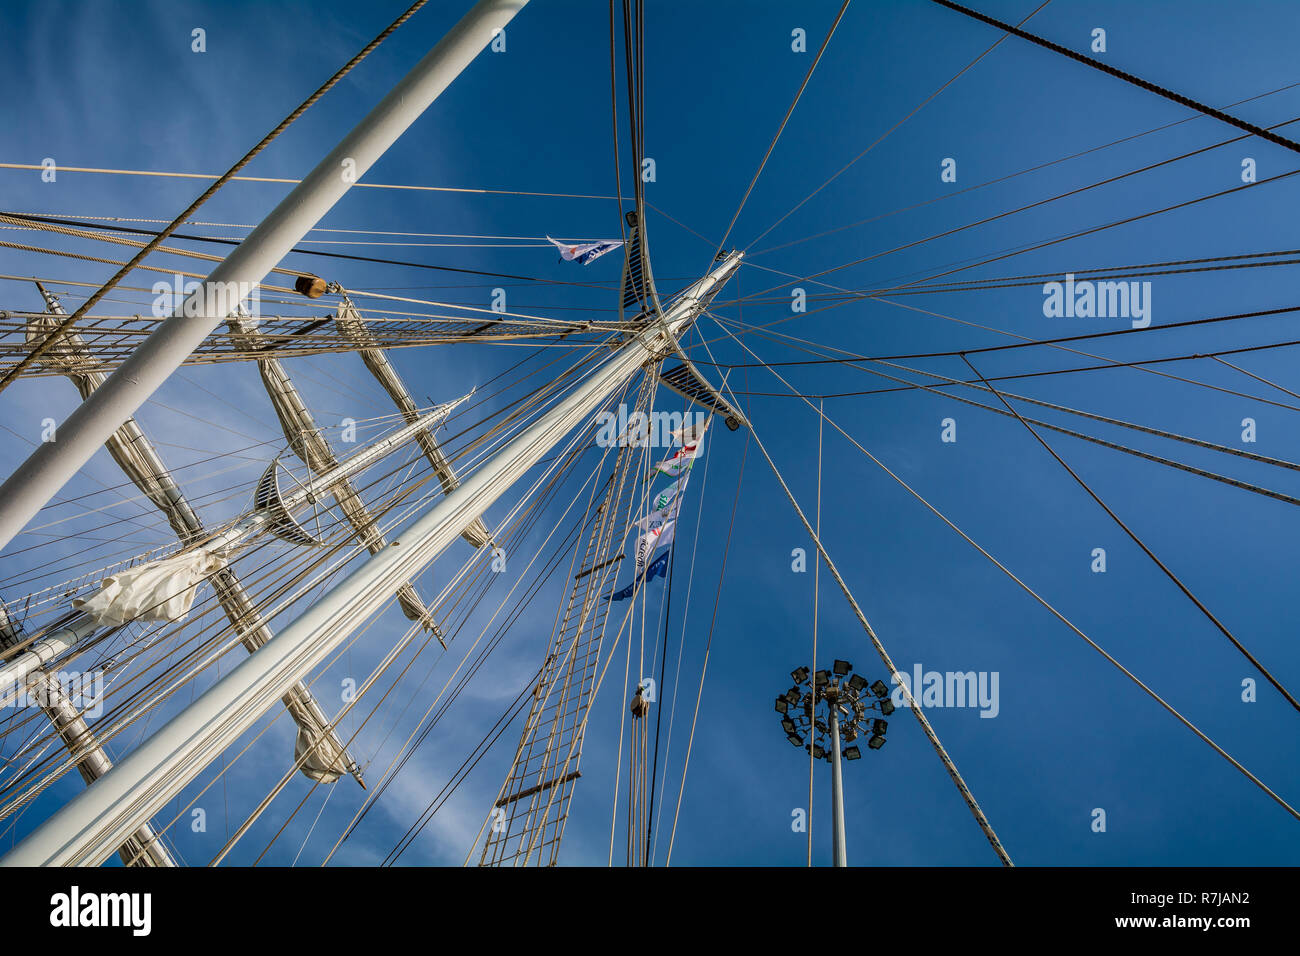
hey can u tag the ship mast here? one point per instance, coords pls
(95, 822)
(139, 459)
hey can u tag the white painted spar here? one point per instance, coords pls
(14, 672)
(52, 464)
(87, 829)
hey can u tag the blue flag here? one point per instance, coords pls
(658, 568)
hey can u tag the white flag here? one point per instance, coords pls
(652, 541)
(584, 252)
(680, 461)
(691, 432)
(692, 440)
(666, 533)
(665, 505)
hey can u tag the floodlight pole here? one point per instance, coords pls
(842, 694)
(839, 856)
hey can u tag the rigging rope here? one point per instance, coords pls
(1045, 243)
(781, 129)
(1037, 597)
(948, 764)
(1141, 544)
(1008, 176)
(659, 711)
(319, 253)
(881, 138)
(708, 646)
(1139, 364)
(1168, 94)
(1201, 443)
(1283, 310)
(294, 182)
(59, 331)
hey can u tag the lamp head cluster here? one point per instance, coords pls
(806, 710)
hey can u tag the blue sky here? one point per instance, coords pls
(116, 85)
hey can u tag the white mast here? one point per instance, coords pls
(95, 822)
(52, 464)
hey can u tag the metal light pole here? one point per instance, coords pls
(839, 851)
(843, 697)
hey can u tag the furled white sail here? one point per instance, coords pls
(326, 762)
(160, 590)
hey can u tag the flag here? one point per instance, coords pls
(665, 505)
(680, 461)
(652, 541)
(658, 568)
(584, 252)
(691, 432)
(692, 439)
(666, 497)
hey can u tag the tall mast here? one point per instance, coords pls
(90, 826)
(52, 464)
(839, 852)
